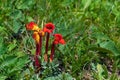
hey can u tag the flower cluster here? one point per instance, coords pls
(38, 35)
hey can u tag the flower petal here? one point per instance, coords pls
(49, 27)
(32, 26)
(36, 37)
(58, 39)
(62, 41)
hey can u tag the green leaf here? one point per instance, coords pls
(105, 71)
(25, 4)
(86, 3)
(20, 64)
(12, 46)
(109, 45)
(105, 43)
(20, 53)
(16, 26)
(3, 31)
(114, 77)
(2, 77)
(67, 3)
(100, 71)
(8, 61)
(100, 37)
(63, 76)
(3, 48)
(29, 18)
(16, 14)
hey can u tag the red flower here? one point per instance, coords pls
(49, 27)
(32, 26)
(58, 39)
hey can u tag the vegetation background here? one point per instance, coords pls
(91, 29)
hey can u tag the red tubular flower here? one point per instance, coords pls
(49, 27)
(32, 26)
(58, 39)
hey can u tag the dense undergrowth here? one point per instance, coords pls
(91, 29)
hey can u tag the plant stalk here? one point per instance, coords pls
(46, 48)
(52, 52)
(37, 64)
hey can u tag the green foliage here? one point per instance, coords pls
(63, 76)
(91, 29)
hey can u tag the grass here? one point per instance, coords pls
(91, 29)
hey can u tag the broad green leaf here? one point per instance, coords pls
(16, 14)
(95, 47)
(16, 26)
(109, 45)
(100, 37)
(105, 43)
